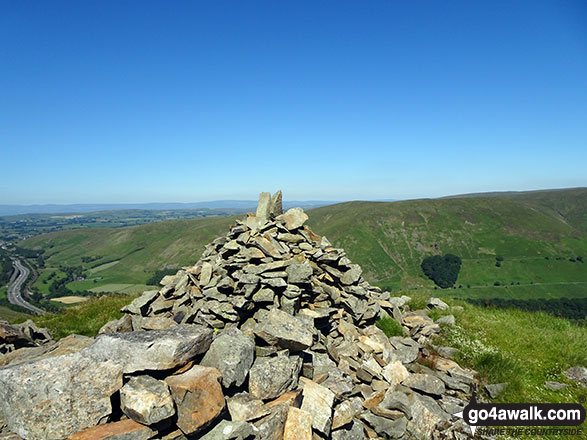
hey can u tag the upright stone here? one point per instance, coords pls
(276, 208)
(318, 401)
(264, 206)
(146, 400)
(298, 425)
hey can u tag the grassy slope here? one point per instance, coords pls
(389, 240)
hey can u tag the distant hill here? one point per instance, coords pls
(539, 236)
(240, 205)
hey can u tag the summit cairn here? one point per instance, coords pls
(270, 335)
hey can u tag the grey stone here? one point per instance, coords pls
(271, 427)
(554, 386)
(318, 401)
(577, 374)
(146, 400)
(232, 353)
(270, 377)
(425, 383)
(446, 320)
(275, 207)
(294, 218)
(436, 303)
(245, 408)
(495, 389)
(299, 272)
(140, 305)
(264, 206)
(352, 275)
(353, 431)
(57, 396)
(345, 412)
(231, 430)
(385, 427)
(286, 331)
(151, 350)
(396, 400)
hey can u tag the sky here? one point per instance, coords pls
(170, 101)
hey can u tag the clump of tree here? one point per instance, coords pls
(5, 267)
(443, 270)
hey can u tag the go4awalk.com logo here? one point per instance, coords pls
(479, 416)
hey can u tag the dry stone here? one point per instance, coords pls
(198, 396)
(298, 425)
(146, 400)
(272, 376)
(122, 430)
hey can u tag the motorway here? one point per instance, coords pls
(14, 292)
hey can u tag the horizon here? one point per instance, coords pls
(87, 208)
(127, 103)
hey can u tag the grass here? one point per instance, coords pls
(85, 319)
(389, 240)
(390, 327)
(11, 316)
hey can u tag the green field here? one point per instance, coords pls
(535, 233)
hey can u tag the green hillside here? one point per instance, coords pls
(538, 235)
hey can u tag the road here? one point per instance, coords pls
(14, 292)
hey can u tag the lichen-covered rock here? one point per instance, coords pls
(146, 400)
(232, 353)
(151, 350)
(285, 331)
(298, 425)
(57, 396)
(270, 377)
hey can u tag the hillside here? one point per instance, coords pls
(389, 240)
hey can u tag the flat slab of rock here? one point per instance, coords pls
(270, 377)
(146, 400)
(298, 425)
(231, 430)
(123, 430)
(294, 218)
(437, 303)
(286, 331)
(425, 383)
(198, 396)
(317, 400)
(232, 354)
(244, 408)
(151, 350)
(57, 396)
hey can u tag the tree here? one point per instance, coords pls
(444, 271)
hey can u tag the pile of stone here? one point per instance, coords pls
(27, 334)
(271, 335)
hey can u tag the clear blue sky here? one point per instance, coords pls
(139, 101)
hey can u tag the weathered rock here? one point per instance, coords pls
(318, 400)
(395, 372)
(232, 353)
(554, 386)
(425, 417)
(346, 411)
(140, 305)
(436, 303)
(264, 206)
(298, 425)
(385, 427)
(446, 320)
(121, 325)
(294, 218)
(577, 374)
(286, 331)
(231, 430)
(198, 396)
(352, 431)
(271, 427)
(495, 389)
(270, 377)
(395, 400)
(275, 206)
(425, 383)
(57, 396)
(299, 272)
(36, 334)
(146, 400)
(244, 407)
(352, 275)
(151, 350)
(123, 430)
